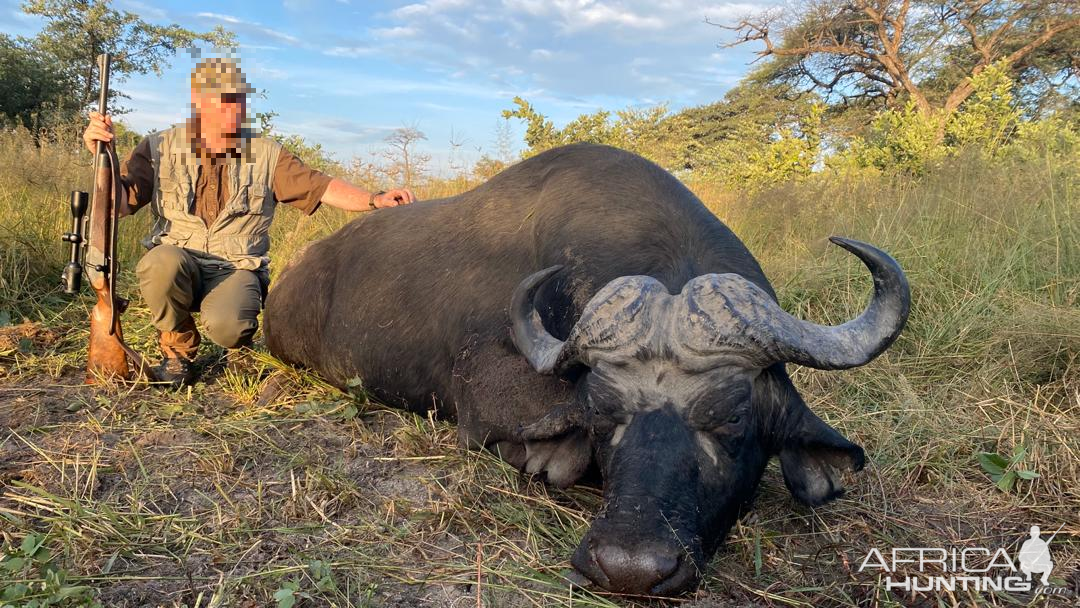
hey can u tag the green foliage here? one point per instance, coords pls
(1006, 471)
(651, 132)
(989, 117)
(1053, 137)
(720, 137)
(287, 594)
(989, 123)
(905, 140)
(30, 579)
(755, 138)
(540, 132)
(790, 156)
(125, 138)
(290, 591)
(989, 355)
(56, 72)
(860, 55)
(33, 88)
(751, 139)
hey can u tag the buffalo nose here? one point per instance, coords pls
(636, 571)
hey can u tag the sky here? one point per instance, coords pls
(346, 73)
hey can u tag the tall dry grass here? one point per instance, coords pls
(990, 360)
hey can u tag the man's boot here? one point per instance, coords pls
(178, 349)
(176, 372)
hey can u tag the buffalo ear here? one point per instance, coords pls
(813, 457)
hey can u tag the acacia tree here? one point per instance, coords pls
(406, 162)
(923, 51)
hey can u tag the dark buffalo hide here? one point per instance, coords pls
(583, 308)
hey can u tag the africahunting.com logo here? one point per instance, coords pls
(968, 568)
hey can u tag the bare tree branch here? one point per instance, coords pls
(872, 47)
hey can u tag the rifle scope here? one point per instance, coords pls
(72, 276)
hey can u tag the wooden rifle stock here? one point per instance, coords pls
(107, 355)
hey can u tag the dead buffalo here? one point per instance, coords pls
(584, 308)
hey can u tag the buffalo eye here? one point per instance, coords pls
(731, 424)
(722, 410)
(604, 413)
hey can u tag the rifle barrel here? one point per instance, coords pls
(103, 94)
(104, 61)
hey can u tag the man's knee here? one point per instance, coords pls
(229, 331)
(161, 266)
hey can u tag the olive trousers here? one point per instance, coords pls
(174, 285)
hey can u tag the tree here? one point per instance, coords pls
(751, 118)
(651, 132)
(487, 167)
(927, 51)
(407, 163)
(77, 31)
(540, 132)
(32, 86)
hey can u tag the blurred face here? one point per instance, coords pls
(219, 115)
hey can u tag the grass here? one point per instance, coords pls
(250, 491)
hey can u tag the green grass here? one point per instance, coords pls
(254, 491)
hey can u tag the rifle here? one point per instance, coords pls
(93, 251)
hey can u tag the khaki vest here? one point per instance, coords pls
(240, 236)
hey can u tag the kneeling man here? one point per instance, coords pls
(212, 186)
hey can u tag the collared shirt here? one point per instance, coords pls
(294, 183)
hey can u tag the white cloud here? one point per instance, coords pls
(348, 51)
(428, 7)
(219, 17)
(259, 47)
(577, 15)
(393, 32)
(250, 27)
(582, 48)
(461, 60)
(367, 85)
(335, 132)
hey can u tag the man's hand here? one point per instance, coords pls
(393, 198)
(343, 195)
(99, 129)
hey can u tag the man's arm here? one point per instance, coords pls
(137, 175)
(306, 188)
(137, 172)
(343, 195)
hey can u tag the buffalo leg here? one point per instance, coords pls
(503, 405)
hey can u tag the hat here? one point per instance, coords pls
(219, 76)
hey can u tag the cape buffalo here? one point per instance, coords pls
(584, 308)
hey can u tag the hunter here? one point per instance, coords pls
(212, 185)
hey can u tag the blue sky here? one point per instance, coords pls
(345, 73)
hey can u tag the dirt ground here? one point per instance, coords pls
(254, 493)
